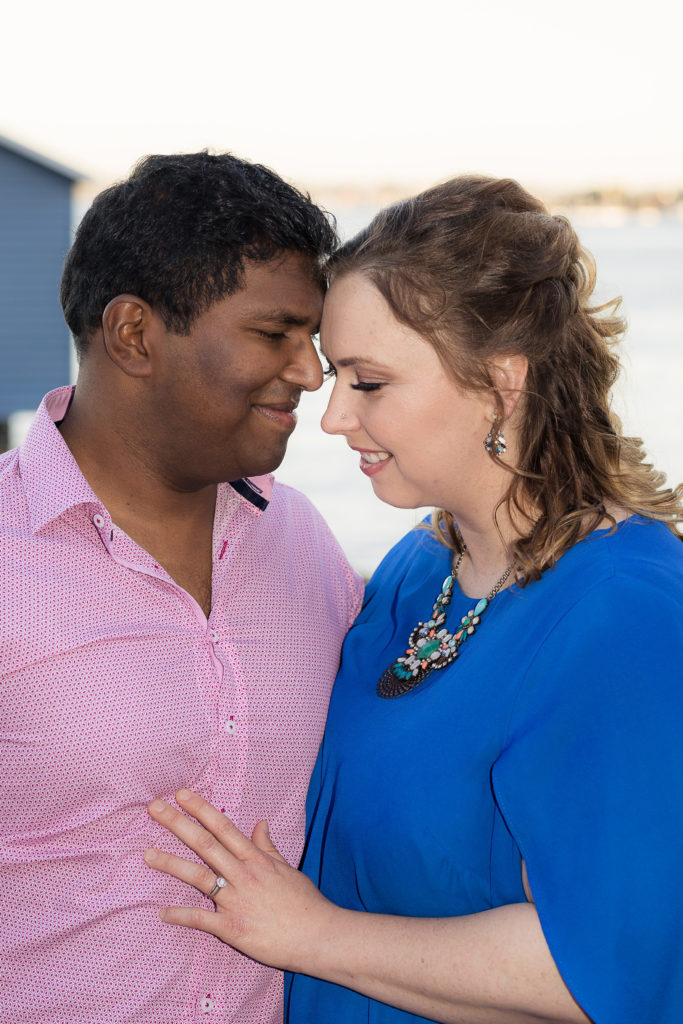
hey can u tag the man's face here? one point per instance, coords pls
(225, 394)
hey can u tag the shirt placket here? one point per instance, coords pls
(209, 988)
(223, 781)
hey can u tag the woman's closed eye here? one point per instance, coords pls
(330, 370)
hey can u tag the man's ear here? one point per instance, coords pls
(508, 373)
(125, 321)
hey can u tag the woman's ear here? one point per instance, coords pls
(508, 373)
(124, 322)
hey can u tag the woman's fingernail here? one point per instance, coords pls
(157, 806)
(151, 856)
(183, 794)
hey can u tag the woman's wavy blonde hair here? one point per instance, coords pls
(479, 268)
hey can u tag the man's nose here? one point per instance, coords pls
(304, 367)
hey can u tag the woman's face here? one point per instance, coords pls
(420, 436)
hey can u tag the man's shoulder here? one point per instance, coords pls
(8, 461)
(12, 497)
(296, 522)
(285, 496)
(294, 513)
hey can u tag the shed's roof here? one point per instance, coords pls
(40, 158)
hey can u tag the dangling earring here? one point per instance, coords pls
(494, 440)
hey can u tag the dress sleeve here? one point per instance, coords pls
(590, 784)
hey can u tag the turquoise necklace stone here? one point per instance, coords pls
(431, 646)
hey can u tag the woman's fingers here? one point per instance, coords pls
(216, 823)
(190, 833)
(193, 917)
(260, 837)
(267, 909)
(217, 843)
(197, 875)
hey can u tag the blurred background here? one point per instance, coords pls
(359, 103)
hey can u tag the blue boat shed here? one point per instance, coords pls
(35, 234)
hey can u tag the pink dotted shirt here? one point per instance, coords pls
(115, 689)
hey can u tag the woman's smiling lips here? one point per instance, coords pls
(372, 461)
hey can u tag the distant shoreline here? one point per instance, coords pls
(656, 202)
(606, 205)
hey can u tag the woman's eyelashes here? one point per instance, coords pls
(329, 370)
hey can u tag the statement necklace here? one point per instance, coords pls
(430, 645)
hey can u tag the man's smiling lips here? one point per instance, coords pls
(281, 413)
(372, 461)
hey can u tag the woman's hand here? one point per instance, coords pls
(493, 965)
(267, 910)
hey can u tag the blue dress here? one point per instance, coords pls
(556, 737)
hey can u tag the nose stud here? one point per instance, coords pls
(342, 416)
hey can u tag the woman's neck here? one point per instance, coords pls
(488, 555)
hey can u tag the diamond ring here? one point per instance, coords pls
(219, 884)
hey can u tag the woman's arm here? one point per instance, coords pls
(480, 969)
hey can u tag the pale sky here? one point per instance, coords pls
(559, 95)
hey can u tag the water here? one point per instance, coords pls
(639, 259)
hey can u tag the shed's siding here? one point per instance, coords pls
(35, 233)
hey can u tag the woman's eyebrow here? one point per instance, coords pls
(360, 360)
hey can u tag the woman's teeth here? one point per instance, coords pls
(375, 456)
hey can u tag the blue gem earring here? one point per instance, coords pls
(494, 440)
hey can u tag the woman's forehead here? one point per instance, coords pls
(358, 327)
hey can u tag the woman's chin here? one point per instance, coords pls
(391, 497)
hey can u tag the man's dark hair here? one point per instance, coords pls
(176, 233)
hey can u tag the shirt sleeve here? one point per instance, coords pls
(590, 784)
(356, 592)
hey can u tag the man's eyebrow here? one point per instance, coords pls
(280, 316)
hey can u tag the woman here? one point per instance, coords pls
(496, 814)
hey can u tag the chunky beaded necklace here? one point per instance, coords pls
(430, 645)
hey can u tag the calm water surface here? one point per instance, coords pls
(640, 260)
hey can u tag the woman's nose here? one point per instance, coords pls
(336, 419)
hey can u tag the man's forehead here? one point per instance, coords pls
(286, 290)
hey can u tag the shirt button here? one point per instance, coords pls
(230, 725)
(213, 635)
(206, 1004)
(98, 520)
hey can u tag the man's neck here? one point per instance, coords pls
(174, 526)
(124, 472)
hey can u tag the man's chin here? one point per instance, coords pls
(262, 467)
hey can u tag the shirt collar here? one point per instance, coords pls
(53, 482)
(255, 490)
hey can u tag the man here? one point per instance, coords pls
(169, 617)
